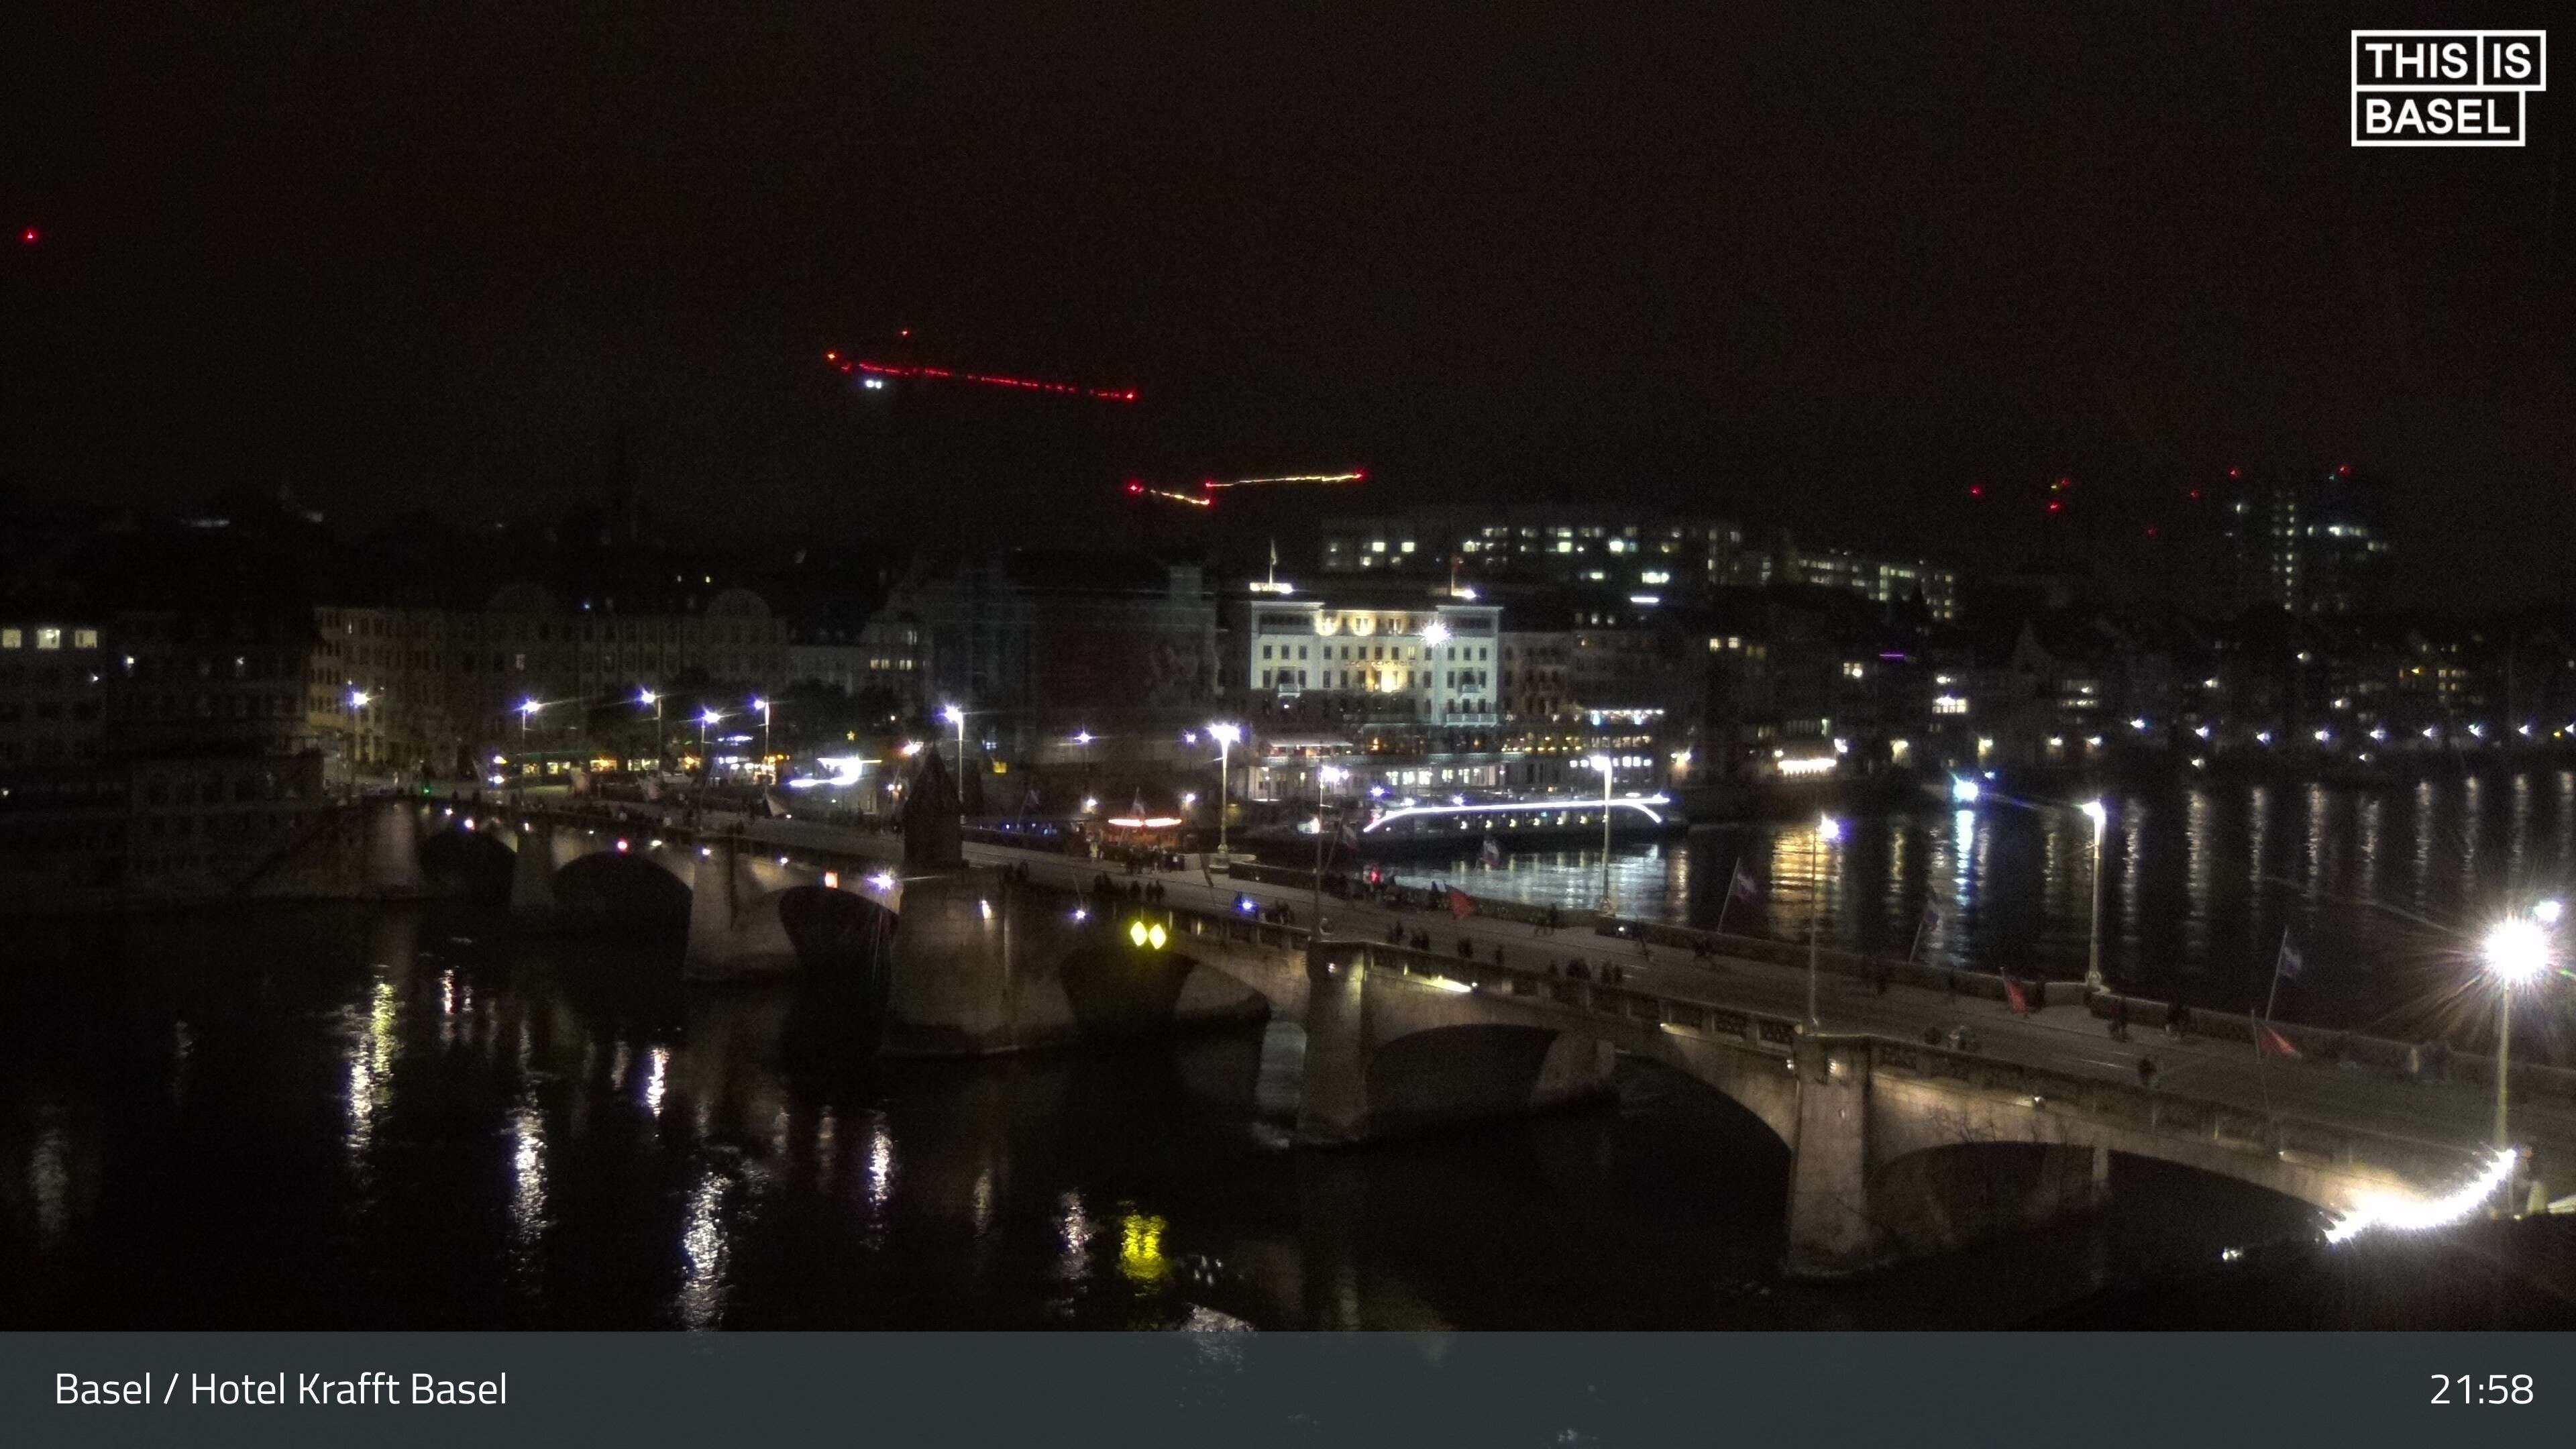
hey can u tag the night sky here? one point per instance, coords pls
(1815, 265)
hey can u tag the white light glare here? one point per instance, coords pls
(2516, 950)
(2416, 1215)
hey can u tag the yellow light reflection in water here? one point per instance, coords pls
(371, 1067)
(1140, 1250)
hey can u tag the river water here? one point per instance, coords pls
(378, 1117)
(2379, 892)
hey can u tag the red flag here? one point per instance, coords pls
(2272, 1044)
(1461, 904)
(2012, 996)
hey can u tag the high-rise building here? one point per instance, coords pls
(1649, 558)
(2307, 548)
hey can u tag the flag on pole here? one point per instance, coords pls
(1461, 904)
(1344, 834)
(1491, 857)
(1931, 917)
(1742, 887)
(2289, 966)
(2013, 998)
(2270, 1043)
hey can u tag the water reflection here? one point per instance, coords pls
(700, 1302)
(2201, 879)
(401, 1120)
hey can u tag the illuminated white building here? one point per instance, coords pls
(1433, 662)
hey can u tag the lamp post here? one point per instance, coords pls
(358, 700)
(2517, 952)
(957, 717)
(2095, 811)
(1326, 779)
(763, 706)
(646, 696)
(1225, 735)
(1828, 830)
(706, 766)
(1607, 766)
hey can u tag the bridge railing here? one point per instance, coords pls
(2158, 1113)
(2406, 1060)
(2383, 1055)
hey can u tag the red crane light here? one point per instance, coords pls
(2056, 506)
(30, 237)
(990, 379)
(2235, 472)
(1976, 490)
(2344, 472)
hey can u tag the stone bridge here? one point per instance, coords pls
(1895, 1147)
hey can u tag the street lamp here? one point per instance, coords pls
(646, 696)
(358, 700)
(706, 718)
(957, 717)
(1326, 778)
(2095, 811)
(527, 711)
(763, 706)
(1225, 735)
(2516, 951)
(1608, 768)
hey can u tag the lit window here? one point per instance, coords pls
(11, 639)
(84, 638)
(49, 638)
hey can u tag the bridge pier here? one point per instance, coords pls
(984, 964)
(1831, 1228)
(532, 877)
(734, 926)
(391, 870)
(1389, 1052)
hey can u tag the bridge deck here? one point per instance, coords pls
(2061, 1039)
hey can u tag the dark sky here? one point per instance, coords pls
(1820, 265)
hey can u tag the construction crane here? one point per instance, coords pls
(1356, 475)
(1136, 488)
(1209, 487)
(875, 374)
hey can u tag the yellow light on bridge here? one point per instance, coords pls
(1136, 932)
